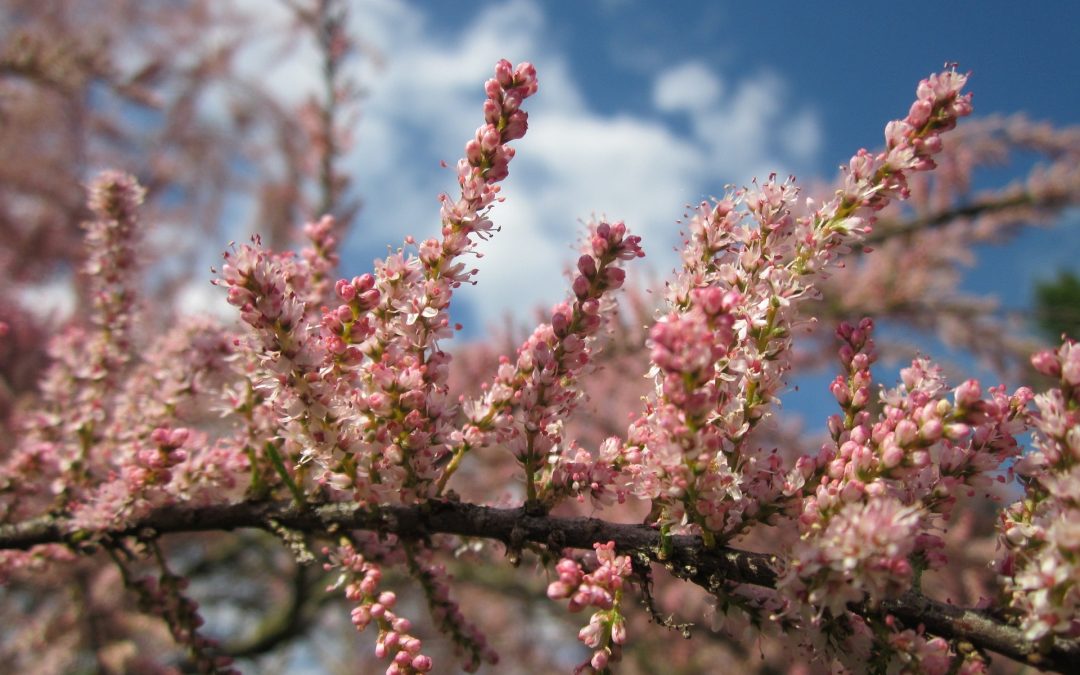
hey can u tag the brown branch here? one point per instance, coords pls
(891, 228)
(688, 558)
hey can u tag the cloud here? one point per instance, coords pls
(752, 131)
(689, 86)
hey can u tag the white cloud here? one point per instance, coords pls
(687, 86)
(801, 135)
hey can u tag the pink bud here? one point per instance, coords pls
(1070, 363)
(560, 324)
(931, 430)
(906, 432)
(839, 389)
(919, 113)
(581, 286)
(516, 126)
(1046, 362)
(489, 138)
(474, 153)
(618, 631)
(391, 639)
(891, 455)
(345, 290)
(967, 394)
(600, 659)
(492, 112)
(525, 74)
(504, 73)
(586, 264)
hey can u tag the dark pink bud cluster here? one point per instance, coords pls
(345, 328)
(361, 581)
(602, 588)
(872, 181)
(154, 463)
(505, 93)
(487, 157)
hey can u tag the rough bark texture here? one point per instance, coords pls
(686, 557)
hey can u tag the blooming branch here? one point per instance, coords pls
(337, 394)
(684, 556)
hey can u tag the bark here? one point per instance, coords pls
(685, 557)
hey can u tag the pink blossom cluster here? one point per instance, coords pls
(363, 391)
(525, 406)
(112, 437)
(601, 588)
(360, 578)
(284, 348)
(873, 494)
(920, 248)
(916, 653)
(1040, 534)
(141, 480)
(689, 451)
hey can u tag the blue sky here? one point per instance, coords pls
(645, 106)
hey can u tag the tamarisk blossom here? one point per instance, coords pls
(86, 373)
(749, 260)
(60, 446)
(601, 588)
(525, 406)
(363, 392)
(361, 581)
(404, 408)
(348, 382)
(1040, 534)
(872, 495)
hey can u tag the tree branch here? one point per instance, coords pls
(890, 228)
(688, 557)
